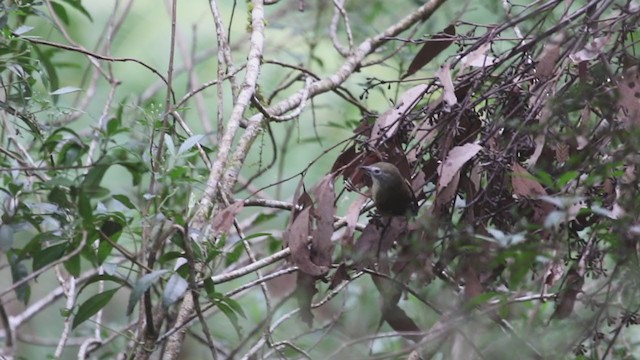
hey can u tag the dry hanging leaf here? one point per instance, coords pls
(296, 237)
(472, 285)
(567, 298)
(346, 158)
(323, 212)
(562, 152)
(546, 62)
(302, 201)
(554, 273)
(387, 124)
(378, 238)
(399, 321)
(455, 160)
(524, 184)
(444, 75)
(444, 196)
(592, 50)
(431, 48)
(629, 100)
(223, 221)
(339, 276)
(477, 58)
(305, 290)
(353, 213)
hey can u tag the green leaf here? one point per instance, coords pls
(18, 272)
(84, 208)
(235, 306)
(94, 177)
(22, 29)
(105, 277)
(142, 285)
(104, 250)
(175, 288)
(230, 308)
(60, 12)
(235, 254)
(35, 244)
(48, 255)
(113, 125)
(6, 237)
(209, 288)
(261, 218)
(125, 201)
(45, 56)
(70, 153)
(58, 196)
(77, 4)
(170, 256)
(189, 143)
(92, 306)
(168, 142)
(57, 136)
(136, 169)
(73, 265)
(480, 299)
(566, 177)
(65, 90)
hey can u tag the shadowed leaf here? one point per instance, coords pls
(141, 286)
(92, 306)
(323, 212)
(444, 75)
(223, 221)
(455, 160)
(431, 48)
(296, 237)
(305, 290)
(388, 123)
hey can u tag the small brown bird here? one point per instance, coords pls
(391, 192)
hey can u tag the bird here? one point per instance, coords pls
(391, 192)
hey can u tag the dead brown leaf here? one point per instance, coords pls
(323, 213)
(446, 194)
(343, 161)
(351, 218)
(546, 62)
(478, 57)
(524, 184)
(377, 238)
(554, 273)
(399, 321)
(305, 290)
(562, 152)
(444, 75)
(431, 48)
(339, 276)
(297, 238)
(629, 92)
(590, 51)
(387, 124)
(567, 299)
(223, 221)
(455, 160)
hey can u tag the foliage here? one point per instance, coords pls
(241, 201)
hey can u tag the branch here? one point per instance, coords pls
(329, 83)
(242, 102)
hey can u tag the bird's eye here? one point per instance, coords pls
(377, 171)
